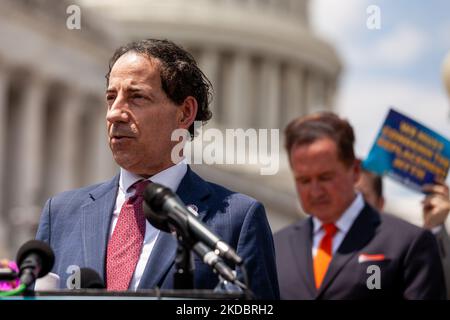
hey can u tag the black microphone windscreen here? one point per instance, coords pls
(154, 195)
(40, 248)
(90, 279)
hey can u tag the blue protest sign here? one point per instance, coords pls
(409, 152)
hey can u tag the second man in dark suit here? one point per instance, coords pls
(346, 249)
(435, 209)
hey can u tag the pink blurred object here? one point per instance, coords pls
(12, 284)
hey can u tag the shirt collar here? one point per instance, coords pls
(347, 218)
(170, 177)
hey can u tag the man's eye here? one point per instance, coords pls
(138, 96)
(326, 178)
(303, 181)
(110, 98)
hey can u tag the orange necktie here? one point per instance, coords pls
(324, 253)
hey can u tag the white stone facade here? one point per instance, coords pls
(51, 96)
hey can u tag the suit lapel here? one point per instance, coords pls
(159, 262)
(96, 219)
(360, 233)
(300, 243)
(192, 190)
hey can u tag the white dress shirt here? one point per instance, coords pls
(343, 224)
(171, 178)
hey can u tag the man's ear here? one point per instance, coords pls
(380, 203)
(187, 112)
(357, 169)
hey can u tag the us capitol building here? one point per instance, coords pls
(266, 65)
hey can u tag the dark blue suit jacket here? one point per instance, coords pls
(76, 225)
(407, 257)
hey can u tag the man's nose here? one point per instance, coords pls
(316, 188)
(118, 111)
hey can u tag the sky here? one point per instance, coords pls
(399, 65)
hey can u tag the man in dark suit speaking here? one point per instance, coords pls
(154, 87)
(346, 249)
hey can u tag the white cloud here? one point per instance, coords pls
(401, 47)
(366, 102)
(344, 23)
(335, 20)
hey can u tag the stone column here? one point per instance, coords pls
(63, 173)
(313, 103)
(26, 181)
(3, 125)
(331, 85)
(274, 5)
(256, 4)
(269, 93)
(97, 163)
(209, 63)
(104, 164)
(294, 93)
(237, 91)
(300, 10)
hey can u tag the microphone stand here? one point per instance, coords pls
(184, 275)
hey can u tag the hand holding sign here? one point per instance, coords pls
(436, 205)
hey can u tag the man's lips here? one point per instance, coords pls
(120, 138)
(320, 203)
(117, 136)
(119, 132)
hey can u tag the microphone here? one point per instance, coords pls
(90, 279)
(165, 210)
(7, 274)
(35, 259)
(210, 258)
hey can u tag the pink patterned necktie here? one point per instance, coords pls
(124, 247)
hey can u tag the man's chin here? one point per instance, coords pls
(133, 165)
(124, 160)
(323, 214)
